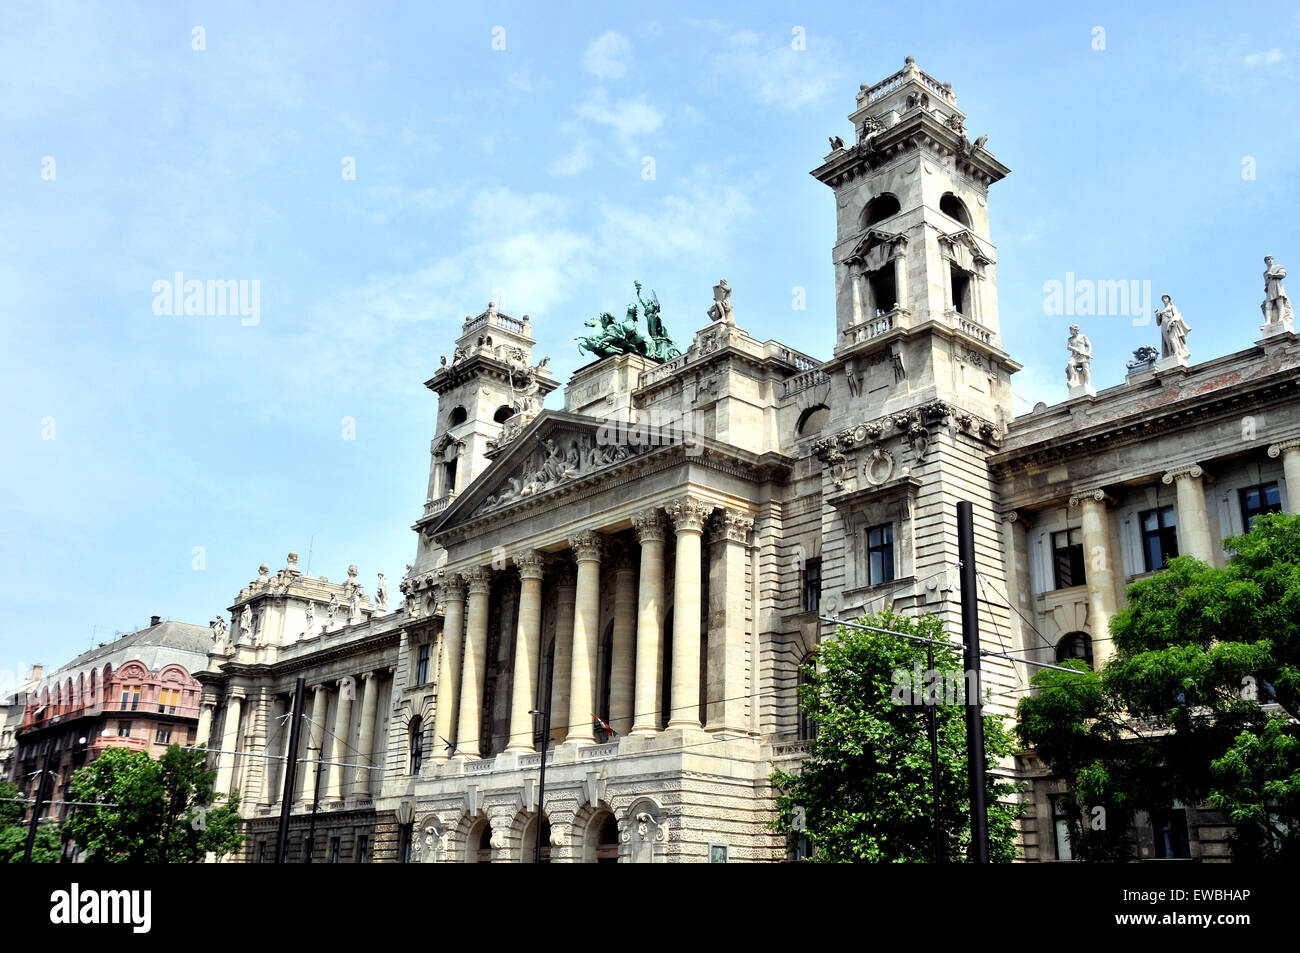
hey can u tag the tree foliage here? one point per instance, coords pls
(864, 790)
(48, 845)
(162, 811)
(1198, 704)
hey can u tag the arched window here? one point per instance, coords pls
(812, 420)
(1076, 645)
(504, 413)
(880, 208)
(416, 744)
(954, 207)
(459, 415)
(607, 841)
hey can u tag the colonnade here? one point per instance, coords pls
(636, 648)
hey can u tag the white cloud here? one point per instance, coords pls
(776, 75)
(1266, 58)
(578, 159)
(607, 55)
(627, 117)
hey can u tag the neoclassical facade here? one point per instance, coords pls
(624, 590)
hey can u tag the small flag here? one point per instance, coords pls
(605, 725)
(450, 746)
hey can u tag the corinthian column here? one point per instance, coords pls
(449, 650)
(1289, 451)
(366, 738)
(315, 742)
(586, 548)
(229, 741)
(651, 528)
(622, 675)
(688, 516)
(728, 621)
(1193, 519)
(339, 749)
(474, 673)
(566, 597)
(527, 638)
(1100, 572)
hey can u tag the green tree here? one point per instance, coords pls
(864, 793)
(162, 811)
(1198, 704)
(13, 831)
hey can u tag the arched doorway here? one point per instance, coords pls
(600, 842)
(478, 843)
(528, 841)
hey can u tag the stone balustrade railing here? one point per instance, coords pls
(479, 767)
(593, 752)
(801, 382)
(434, 507)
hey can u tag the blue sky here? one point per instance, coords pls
(521, 169)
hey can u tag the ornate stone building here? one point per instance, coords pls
(136, 692)
(631, 584)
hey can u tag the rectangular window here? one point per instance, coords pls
(131, 698)
(1067, 559)
(404, 843)
(124, 729)
(960, 291)
(880, 554)
(422, 665)
(168, 701)
(363, 848)
(334, 850)
(1257, 500)
(812, 585)
(261, 852)
(164, 736)
(1159, 538)
(1061, 825)
(1169, 831)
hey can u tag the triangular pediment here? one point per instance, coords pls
(554, 450)
(966, 248)
(874, 248)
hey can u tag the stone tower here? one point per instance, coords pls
(919, 386)
(916, 287)
(482, 391)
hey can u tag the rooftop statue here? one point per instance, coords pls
(612, 336)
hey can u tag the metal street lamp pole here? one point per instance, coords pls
(541, 784)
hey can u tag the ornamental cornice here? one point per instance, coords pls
(1227, 403)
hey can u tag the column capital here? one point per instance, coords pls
(1276, 450)
(1192, 471)
(367, 676)
(586, 545)
(531, 564)
(1015, 516)
(651, 526)
(479, 579)
(731, 526)
(1092, 496)
(689, 513)
(453, 586)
